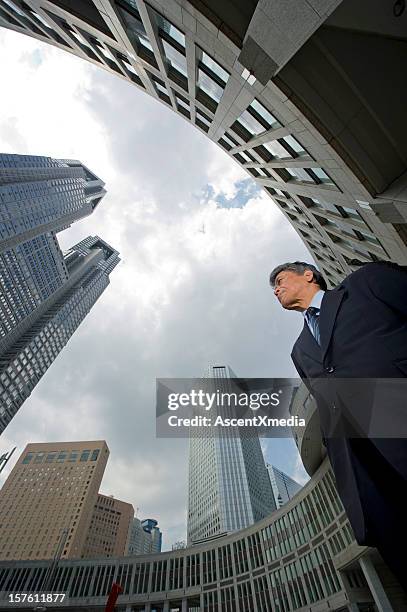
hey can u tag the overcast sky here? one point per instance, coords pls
(180, 300)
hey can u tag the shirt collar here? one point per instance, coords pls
(316, 300)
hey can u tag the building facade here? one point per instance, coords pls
(44, 293)
(30, 273)
(39, 195)
(301, 557)
(228, 484)
(48, 500)
(145, 537)
(109, 530)
(35, 340)
(284, 487)
(289, 91)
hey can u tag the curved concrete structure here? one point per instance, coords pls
(302, 557)
(275, 84)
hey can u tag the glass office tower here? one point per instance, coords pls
(39, 194)
(43, 334)
(229, 487)
(145, 537)
(284, 487)
(44, 293)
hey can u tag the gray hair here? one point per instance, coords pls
(299, 267)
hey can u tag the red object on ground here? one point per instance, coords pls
(114, 594)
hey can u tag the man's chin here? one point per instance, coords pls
(287, 305)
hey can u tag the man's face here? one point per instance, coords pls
(292, 289)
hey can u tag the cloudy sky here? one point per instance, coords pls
(181, 299)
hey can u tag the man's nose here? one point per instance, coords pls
(276, 290)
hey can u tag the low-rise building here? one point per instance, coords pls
(109, 530)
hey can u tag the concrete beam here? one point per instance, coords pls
(277, 30)
(381, 600)
(391, 205)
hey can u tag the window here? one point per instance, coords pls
(84, 455)
(300, 174)
(257, 119)
(28, 458)
(95, 454)
(230, 141)
(310, 175)
(182, 102)
(364, 235)
(244, 158)
(345, 211)
(14, 7)
(277, 150)
(251, 123)
(169, 30)
(41, 20)
(132, 3)
(134, 24)
(266, 116)
(214, 67)
(295, 145)
(285, 148)
(209, 86)
(322, 176)
(202, 117)
(175, 58)
(80, 38)
(130, 67)
(212, 78)
(161, 88)
(310, 202)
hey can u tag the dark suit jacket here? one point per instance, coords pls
(363, 326)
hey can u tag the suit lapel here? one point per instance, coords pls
(329, 310)
(307, 343)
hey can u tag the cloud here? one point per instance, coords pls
(180, 300)
(10, 134)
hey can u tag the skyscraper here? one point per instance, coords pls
(49, 499)
(145, 537)
(229, 487)
(44, 293)
(284, 487)
(39, 195)
(39, 337)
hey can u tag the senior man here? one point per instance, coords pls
(358, 330)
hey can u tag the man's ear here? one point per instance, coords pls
(309, 276)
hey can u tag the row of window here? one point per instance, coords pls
(61, 456)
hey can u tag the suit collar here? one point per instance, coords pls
(329, 310)
(316, 300)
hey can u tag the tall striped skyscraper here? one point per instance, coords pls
(284, 487)
(229, 487)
